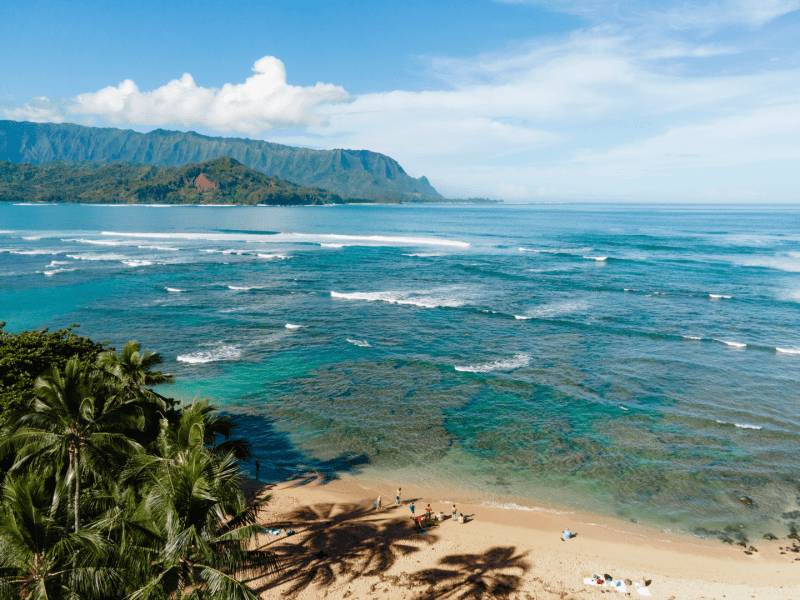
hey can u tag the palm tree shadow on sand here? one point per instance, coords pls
(338, 543)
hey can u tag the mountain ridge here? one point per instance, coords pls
(353, 173)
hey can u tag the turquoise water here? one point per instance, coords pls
(633, 361)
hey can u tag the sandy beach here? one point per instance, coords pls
(344, 548)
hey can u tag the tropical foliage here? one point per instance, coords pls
(110, 490)
(219, 181)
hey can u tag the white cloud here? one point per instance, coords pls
(686, 15)
(38, 110)
(263, 102)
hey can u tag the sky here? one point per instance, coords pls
(520, 100)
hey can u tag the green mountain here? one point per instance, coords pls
(218, 181)
(354, 173)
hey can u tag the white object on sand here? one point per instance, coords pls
(614, 585)
(643, 591)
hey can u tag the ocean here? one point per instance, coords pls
(639, 362)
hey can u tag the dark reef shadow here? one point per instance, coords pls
(280, 459)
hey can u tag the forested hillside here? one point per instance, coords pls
(219, 181)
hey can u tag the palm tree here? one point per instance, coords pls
(193, 543)
(198, 417)
(133, 370)
(75, 424)
(37, 560)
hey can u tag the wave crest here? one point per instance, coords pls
(221, 353)
(507, 364)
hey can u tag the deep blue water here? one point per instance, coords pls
(636, 361)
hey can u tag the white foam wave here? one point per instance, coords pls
(244, 288)
(167, 248)
(360, 343)
(34, 252)
(97, 242)
(369, 240)
(106, 257)
(507, 364)
(629, 290)
(290, 326)
(558, 308)
(691, 337)
(424, 254)
(274, 256)
(597, 258)
(515, 506)
(137, 263)
(228, 251)
(528, 250)
(718, 296)
(740, 425)
(31, 238)
(522, 318)
(56, 271)
(419, 299)
(332, 245)
(175, 290)
(221, 353)
(737, 345)
(790, 351)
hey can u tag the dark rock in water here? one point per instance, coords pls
(753, 549)
(746, 500)
(793, 515)
(769, 536)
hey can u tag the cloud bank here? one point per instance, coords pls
(684, 102)
(262, 103)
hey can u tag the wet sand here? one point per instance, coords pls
(344, 548)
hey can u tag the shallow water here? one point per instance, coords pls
(634, 361)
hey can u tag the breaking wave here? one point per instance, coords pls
(367, 240)
(221, 353)
(359, 343)
(508, 364)
(420, 299)
(739, 425)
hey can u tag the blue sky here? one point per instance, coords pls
(522, 100)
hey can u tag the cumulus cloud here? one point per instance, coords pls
(263, 102)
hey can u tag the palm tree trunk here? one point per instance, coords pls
(69, 470)
(77, 489)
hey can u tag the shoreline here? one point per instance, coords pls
(344, 548)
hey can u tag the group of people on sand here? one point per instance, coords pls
(456, 517)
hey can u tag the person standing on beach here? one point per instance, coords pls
(397, 497)
(378, 504)
(428, 513)
(454, 513)
(411, 506)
